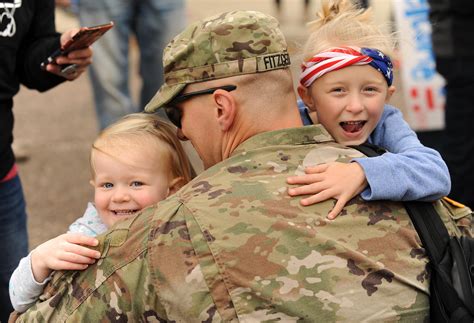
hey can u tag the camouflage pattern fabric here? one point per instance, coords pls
(229, 44)
(457, 217)
(233, 246)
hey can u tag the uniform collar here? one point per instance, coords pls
(290, 136)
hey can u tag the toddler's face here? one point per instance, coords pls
(126, 184)
(349, 102)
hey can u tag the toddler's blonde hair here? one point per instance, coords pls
(152, 133)
(341, 23)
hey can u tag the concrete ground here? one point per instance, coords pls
(58, 127)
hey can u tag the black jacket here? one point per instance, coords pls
(27, 36)
(452, 28)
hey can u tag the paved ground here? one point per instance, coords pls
(58, 127)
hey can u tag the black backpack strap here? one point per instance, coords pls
(370, 150)
(425, 218)
(430, 228)
(436, 240)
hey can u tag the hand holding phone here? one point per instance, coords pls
(85, 37)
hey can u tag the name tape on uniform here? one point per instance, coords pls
(273, 61)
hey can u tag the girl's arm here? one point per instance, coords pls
(24, 288)
(409, 170)
(65, 252)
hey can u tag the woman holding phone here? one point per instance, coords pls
(27, 36)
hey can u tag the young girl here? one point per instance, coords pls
(136, 162)
(347, 80)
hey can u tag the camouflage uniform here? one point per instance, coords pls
(232, 245)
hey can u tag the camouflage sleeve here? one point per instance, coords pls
(116, 288)
(456, 217)
(148, 271)
(177, 271)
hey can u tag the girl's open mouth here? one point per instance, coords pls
(352, 126)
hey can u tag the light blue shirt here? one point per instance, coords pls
(90, 224)
(408, 171)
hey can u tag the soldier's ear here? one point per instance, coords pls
(226, 108)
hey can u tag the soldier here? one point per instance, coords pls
(232, 245)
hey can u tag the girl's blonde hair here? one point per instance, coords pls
(341, 23)
(151, 132)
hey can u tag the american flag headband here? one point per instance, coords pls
(340, 57)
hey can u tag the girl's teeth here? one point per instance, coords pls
(352, 126)
(124, 212)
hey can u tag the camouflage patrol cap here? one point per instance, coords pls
(229, 44)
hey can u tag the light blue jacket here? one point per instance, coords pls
(408, 171)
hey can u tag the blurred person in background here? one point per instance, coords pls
(154, 23)
(364, 4)
(452, 33)
(27, 36)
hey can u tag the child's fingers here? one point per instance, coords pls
(75, 258)
(314, 188)
(66, 265)
(81, 239)
(316, 198)
(337, 209)
(82, 251)
(316, 169)
(304, 179)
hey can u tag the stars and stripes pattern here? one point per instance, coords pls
(340, 57)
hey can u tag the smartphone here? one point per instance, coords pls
(85, 37)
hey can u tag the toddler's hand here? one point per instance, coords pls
(333, 180)
(65, 252)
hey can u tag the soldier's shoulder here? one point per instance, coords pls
(457, 217)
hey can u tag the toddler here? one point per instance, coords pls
(136, 162)
(347, 80)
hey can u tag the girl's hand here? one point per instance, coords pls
(65, 252)
(333, 180)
